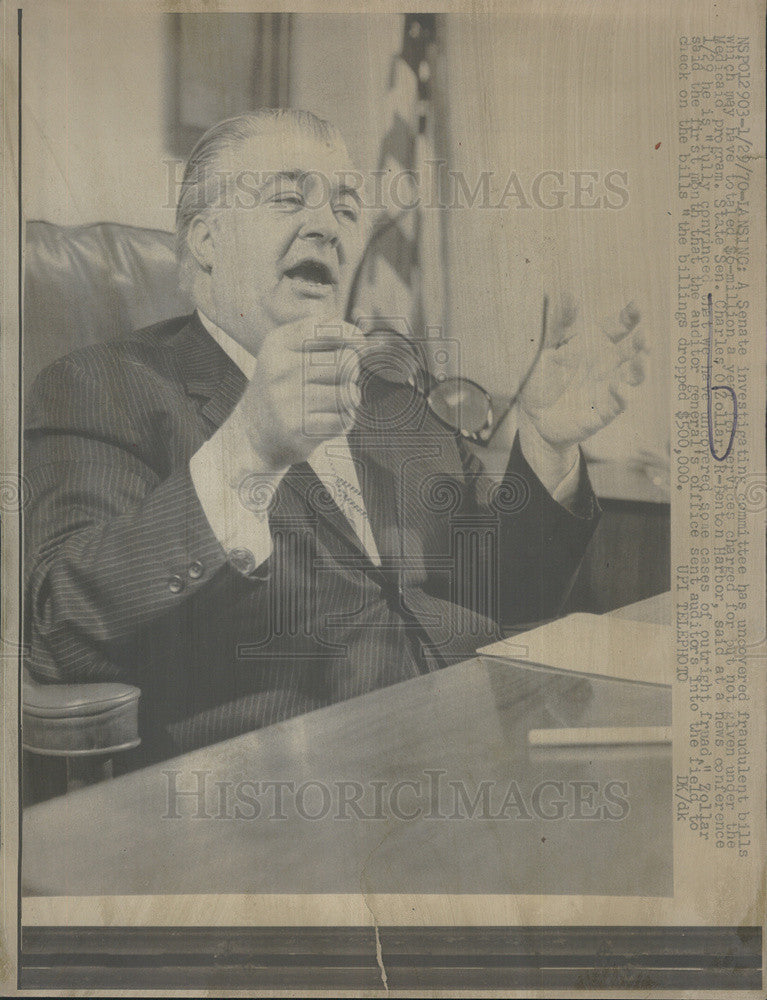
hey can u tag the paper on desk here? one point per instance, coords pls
(596, 644)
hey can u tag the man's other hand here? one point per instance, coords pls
(579, 384)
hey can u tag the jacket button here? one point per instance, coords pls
(243, 560)
(196, 569)
(175, 585)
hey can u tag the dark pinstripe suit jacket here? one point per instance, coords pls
(126, 580)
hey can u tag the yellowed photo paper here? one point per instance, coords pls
(383, 499)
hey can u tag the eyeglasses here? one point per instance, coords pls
(460, 403)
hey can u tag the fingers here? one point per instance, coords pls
(628, 347)
(328, 374)
(616, 400)
(608, 402)
(323, 426)
(303, 390)
(633, 356)
(559, 322)
(333, 390)
(325, 344)
(331, 353)
(307, 336)
(570, 354)
(617, 329)
(632, 372)
(334, 367)
(630, 316)
(610, 398)
(631, 344)
(336, 412)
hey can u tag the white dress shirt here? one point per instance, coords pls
(234, 495)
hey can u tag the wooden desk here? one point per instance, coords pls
(469, 722)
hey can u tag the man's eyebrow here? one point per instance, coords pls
(295, 176)
(345, 190)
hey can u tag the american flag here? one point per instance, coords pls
(400, 283)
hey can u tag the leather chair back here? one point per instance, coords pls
(83, 284)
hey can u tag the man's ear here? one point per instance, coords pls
(201, 242)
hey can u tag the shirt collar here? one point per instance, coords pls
(244, 360)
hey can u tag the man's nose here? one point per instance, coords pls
(321, 224)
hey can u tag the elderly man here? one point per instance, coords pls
(237, 512)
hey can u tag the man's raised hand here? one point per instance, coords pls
(579, 385)
(303, 391)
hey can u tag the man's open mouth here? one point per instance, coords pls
(315, 272)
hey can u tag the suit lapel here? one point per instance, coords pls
(209, 374)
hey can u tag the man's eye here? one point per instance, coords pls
(349, 212)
